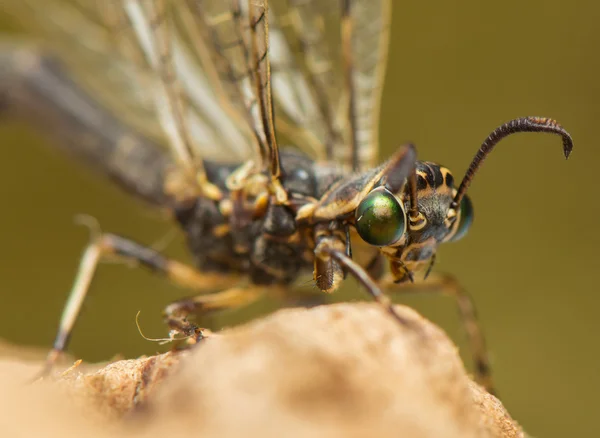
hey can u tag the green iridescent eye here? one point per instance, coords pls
(466, 218)
(380, 218)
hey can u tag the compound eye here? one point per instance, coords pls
(466, 219)
(380, 218)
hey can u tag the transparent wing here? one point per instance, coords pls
(84, 45)
(329, 59)
(218, 33)
(369, 52)
(219, 78)
(306, 58)
(110, 46)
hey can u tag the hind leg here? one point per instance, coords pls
(112, 245)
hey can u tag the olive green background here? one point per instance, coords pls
(456, 72)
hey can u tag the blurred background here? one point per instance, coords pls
(456, 72)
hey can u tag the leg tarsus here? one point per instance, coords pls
(176, 314)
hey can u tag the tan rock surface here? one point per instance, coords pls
(344, 370)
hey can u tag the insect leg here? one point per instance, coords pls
(328, 274)
(35, 87)
(177, 312)
(110, 244)
(448, 285)
(331, 253)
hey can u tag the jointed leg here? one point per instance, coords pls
(331, 258)
(448, 285)
(110, 244)
(176, 313)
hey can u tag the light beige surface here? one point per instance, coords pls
(333, 371)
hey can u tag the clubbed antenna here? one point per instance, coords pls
(523, 124)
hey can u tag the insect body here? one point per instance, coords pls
(183, 103)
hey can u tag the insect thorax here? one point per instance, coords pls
(270, 248)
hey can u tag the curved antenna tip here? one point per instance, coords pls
(523, 124)
(567, 141)
(567, 147)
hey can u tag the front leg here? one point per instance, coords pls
(328, 273)
(333, 261)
